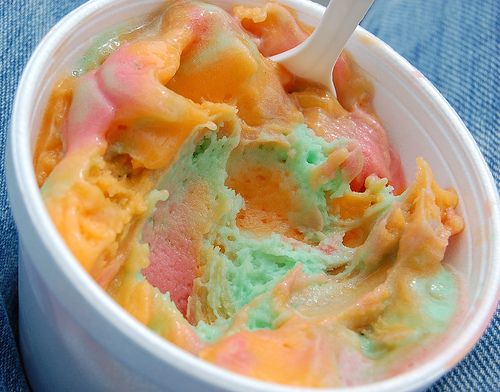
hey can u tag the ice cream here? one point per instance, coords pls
(248, 217)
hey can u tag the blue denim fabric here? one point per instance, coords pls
(455, 43)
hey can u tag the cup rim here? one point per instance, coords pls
(21, 181)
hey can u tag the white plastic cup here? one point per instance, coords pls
(75, 337)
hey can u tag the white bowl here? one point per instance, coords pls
(75, 337)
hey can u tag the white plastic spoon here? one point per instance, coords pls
(314, 58)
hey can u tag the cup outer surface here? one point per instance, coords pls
(75, 337)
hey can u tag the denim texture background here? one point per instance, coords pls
(454, 43)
